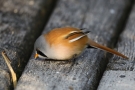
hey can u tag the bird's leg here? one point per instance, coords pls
(73, 60)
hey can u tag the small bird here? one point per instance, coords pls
(65, 43)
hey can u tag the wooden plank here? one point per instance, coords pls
(20, 24)
(4, 80)
(118, 80)
(120, 73)
(102, 18)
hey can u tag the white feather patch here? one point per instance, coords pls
(70, 33)
(73, 32)
(75, 39)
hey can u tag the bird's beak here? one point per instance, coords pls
(36, 55)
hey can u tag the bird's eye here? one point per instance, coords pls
(40, 53)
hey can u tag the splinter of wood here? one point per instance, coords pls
(13, 74)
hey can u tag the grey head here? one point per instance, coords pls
(40, 47)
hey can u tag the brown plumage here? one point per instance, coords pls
(64, 43)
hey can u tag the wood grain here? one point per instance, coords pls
(117, 80)
(103, 18)
(120, 73)
(20, 24)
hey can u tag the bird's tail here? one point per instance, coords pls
(96, 45)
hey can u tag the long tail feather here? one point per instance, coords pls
(94, 44)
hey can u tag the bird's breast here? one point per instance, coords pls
(63, 51)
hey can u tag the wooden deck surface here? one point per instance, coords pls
(120, 73)
(111, 23)
(21, 22)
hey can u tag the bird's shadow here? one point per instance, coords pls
(70, 62)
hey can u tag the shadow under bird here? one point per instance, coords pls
(66, 43)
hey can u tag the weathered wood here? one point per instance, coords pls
(102, 18)
(20, 24)
(118, 80)
(4, 80)
(120, 73)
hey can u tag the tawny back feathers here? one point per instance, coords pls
(64, 43)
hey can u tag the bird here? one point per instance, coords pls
(66, 43)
